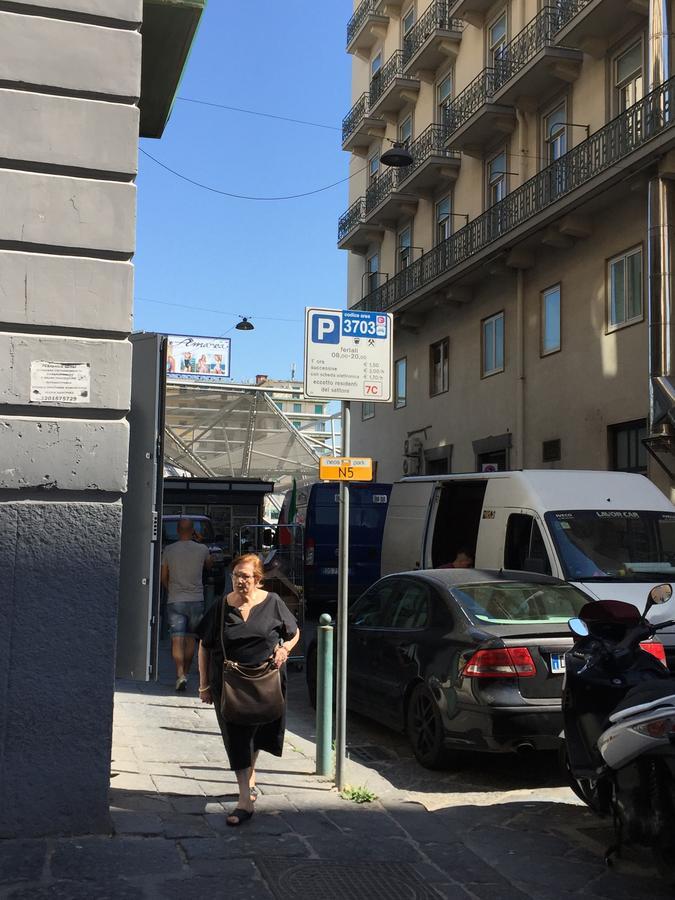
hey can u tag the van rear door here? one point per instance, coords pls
(406, 525)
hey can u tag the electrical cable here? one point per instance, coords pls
(254, 112)
(207, 187)
(219, 312)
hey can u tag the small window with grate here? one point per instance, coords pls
(550, 451)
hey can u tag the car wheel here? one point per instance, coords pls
(425, 729)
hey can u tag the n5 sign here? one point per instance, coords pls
(348, 355)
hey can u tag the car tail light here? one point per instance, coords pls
(508, 662)
(656, 728)
(656, 649)
(309, 552)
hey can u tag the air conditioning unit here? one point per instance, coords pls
(412, 465)
(412, 456)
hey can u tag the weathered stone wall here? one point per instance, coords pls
(70, 76)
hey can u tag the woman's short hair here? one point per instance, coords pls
(250, 559)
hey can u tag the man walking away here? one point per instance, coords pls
(183, 564)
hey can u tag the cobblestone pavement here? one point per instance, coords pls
(493, 828)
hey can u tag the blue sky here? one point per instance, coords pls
(266, 261)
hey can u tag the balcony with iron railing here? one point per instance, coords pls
(434, 166)
(354, 233)
(391, 88)
(395, 194)
(359, 126)
(636, 138)
(529, 65)
(433, 40)
(587, 23)
(365, 27)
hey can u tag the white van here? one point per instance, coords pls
(611, 534)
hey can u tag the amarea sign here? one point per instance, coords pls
(348, 355)
(345, 468)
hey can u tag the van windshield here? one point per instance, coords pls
(614, 545)
(506, 603)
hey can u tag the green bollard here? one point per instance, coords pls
(324, 696)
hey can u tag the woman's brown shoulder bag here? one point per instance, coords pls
(251, 695)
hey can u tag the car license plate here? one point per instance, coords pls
(558, 663)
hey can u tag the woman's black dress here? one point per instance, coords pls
(250, 643)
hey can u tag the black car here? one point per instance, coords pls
(461, 659)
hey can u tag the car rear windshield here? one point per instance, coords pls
(614, 544)
(202, 527)
(520, 603)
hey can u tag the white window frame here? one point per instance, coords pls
(373, 173)
(492, 57)
(376, 59)
(501, 179)
(400, 248)
(619, 86)
(617, 325)
(373, 275)
(407, 121)
(401, 401)
(406, 31)
(445, 221)
(561, 132)
(543, 312)
(441, 104)
(484, 326)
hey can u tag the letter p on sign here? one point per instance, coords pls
(325, 329)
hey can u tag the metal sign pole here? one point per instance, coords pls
(343, 606)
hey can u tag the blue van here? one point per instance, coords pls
(318, 511)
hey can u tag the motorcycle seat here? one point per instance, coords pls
(644, 698)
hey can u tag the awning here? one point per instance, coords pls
(235, 431)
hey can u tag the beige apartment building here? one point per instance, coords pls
(513, 252)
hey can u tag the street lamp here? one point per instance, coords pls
(244, 325)
(398, 156)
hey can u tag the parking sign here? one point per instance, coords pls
(348, 355)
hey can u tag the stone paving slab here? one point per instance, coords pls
(472, 834)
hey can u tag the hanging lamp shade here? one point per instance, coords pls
(244, 325)
(398, 156)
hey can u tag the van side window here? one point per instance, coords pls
(524, 549)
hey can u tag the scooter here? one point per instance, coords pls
(618, 704)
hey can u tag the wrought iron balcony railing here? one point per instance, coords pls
(361, 13)
(356, 114)
(470, 100)
(537, 34)
(353, 217)
(568, 10)
(618, 139)
(381, 188)
(434, 17)
(392, 69)
(430, 143)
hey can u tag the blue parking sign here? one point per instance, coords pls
(325, 329)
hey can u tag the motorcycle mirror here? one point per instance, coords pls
(578, 627)
(661, 593)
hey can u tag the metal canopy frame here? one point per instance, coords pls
(235, 431)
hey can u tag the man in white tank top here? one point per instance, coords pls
(182, 567)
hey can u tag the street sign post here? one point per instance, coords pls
(348, 356)
(345, 468)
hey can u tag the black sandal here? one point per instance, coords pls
(241, 815)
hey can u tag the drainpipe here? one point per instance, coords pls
(661, 242)
(520, 367)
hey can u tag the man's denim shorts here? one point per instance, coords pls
(184, 616)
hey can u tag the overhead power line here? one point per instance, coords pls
(210, 309)
(213, 190)
(255, 112)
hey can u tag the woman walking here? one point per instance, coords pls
(250, 628)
